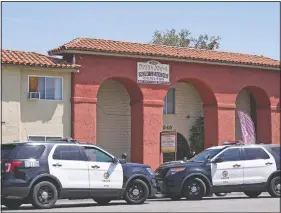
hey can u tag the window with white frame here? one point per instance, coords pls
(42, 138)
(169, 102)
(50, 88)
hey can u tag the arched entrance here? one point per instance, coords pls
(117, 116)
(255, 102)
(183, 150)
(186, 102)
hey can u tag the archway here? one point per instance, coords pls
(119, 113)
(254, 101)
(185, 102)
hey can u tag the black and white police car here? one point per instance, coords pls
(230, 167)
(42, 172)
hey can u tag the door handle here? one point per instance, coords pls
(95, 167)
(236, 165)
(268, 163)
(57, 165)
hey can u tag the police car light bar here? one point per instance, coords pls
(239, 142)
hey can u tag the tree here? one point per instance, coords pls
(197, 135)
(184, 39)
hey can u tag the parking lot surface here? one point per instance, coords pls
(230, 203)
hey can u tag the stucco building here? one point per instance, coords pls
(36, 94)
(122, 109)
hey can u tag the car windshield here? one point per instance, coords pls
(207, 153)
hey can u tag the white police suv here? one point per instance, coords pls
(42, 172)
(231, 167)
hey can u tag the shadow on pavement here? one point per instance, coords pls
(66, 205)
(210, 198)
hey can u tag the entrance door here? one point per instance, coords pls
(182, 150)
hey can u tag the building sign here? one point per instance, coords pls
(153, 72)
(168, 141)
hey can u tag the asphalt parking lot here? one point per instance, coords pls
(230, 203)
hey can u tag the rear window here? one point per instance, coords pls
(6, 150)
(276, 150)
(27, 151)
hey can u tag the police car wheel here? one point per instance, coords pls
(11, 204)
(274, 187)
(194, 189)
(252, 194)
(44, 195)
(102, 201)
(136, 192)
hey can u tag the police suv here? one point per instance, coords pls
(231, 167)
(42, 172)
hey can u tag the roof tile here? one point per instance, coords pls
(16, 57)
(119, 47)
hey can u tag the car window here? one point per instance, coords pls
(68, 153)
(6, 150)
(232, 154)
(27, 152)
(255, 153)
(207, 153)
(276, 150)
(96, 155)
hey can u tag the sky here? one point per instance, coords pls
(245, 27)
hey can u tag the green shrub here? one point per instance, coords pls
(197, 135)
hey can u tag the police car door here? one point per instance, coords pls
(103, 172)
(228, 171)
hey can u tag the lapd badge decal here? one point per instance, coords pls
(225, 175)
(106, 175)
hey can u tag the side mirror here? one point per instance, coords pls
(218, 160)
(124, 156)
(115, 160)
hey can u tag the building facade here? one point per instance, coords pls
(36, 94)
(114, 108)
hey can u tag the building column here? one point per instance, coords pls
(275, 124)
(152, 126)
(84, 119)
(226, 122)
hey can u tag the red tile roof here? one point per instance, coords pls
(15, 57)
(119, 47)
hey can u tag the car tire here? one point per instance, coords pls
(274, 187)
(194, 189)
(44, 195)
(175, 198)
(11, 203)
(102, 201)
(136, 192)
(220, 194)
(252, 194)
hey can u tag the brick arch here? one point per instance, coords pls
(262, 113)
(210, 110)
(136, 105)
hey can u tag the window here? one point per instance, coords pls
(41, 138)
(97, 155)
(68, 153)
(276, 150)
(6, 150)
(169, 102)
(255, 154)
(50, 88)
(231, 155)
(27, 152)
